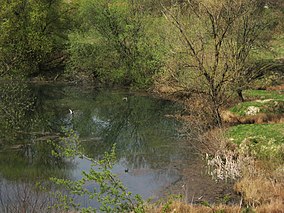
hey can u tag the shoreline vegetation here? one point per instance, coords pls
(222, 60)
(247, 150)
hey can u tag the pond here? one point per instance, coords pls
(153, 160)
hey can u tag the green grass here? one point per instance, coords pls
(275, 105)
(264, 94)
(264, 141)
(270, 131)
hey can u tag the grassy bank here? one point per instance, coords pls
(273, 132)
(260, 104)
(251, 150)
(264, 101)
(262, 180)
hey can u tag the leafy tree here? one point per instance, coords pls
(32, 36)
(112, 44)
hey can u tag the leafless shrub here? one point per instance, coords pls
(213, 48)
(23, 197)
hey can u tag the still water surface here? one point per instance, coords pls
(153, 159)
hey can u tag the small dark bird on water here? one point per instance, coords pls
(126, 170)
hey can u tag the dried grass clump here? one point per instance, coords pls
(260, 118)
(273, 207)
(260, 191)
(223, 158)
(180, 207)
(276, 88)
(229, 117)
(224, 165)
(262, 187)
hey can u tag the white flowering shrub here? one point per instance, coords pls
(229, 165)
(224, 165)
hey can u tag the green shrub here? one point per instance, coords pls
(33, 33)
(108, 191)
(113, 45)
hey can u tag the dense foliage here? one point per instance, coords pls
(214, 48)
(112, 44)
(33, 34)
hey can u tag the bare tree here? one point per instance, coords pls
(218, 42)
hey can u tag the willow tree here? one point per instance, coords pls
(217, 43)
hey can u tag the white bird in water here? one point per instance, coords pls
(124, 99)
(71, 112)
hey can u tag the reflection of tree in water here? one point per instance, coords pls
(23, 197)
(144, 136)
(24, 132)
(27, 111)
(146, 140)
(29, 118)
(16, 107)
(137, 124)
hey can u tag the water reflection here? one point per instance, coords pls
(25, 128)
(152, 158)
(148, 147)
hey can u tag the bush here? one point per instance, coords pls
(108, 190)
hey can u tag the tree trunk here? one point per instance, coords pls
(216, 112)
(217, 117)
(240, 95)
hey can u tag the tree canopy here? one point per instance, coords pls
(33, 33)
(205, 46)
